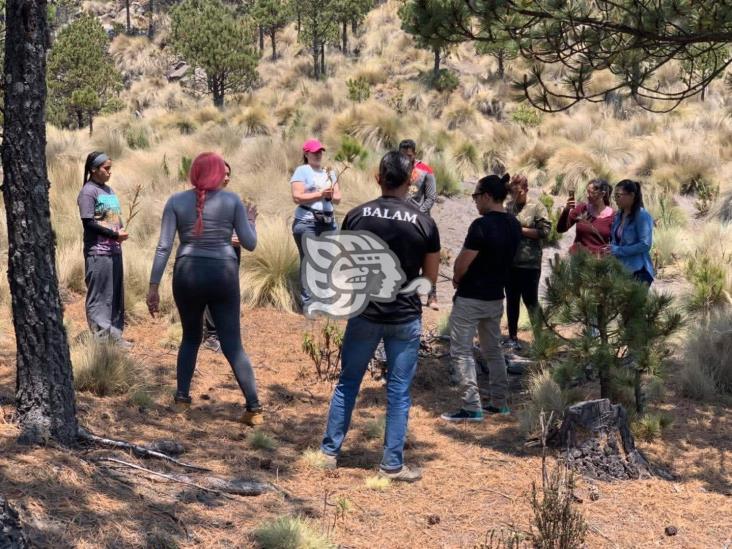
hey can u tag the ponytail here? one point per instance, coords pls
(207, 173)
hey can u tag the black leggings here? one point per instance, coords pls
(199, 282)
(522, 283)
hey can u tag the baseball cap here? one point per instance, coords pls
(312, 146)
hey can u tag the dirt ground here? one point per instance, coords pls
(477, 477)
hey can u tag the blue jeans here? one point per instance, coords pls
(299, 229)
(401, 342)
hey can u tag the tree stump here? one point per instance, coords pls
(11, 531)
(598, 442)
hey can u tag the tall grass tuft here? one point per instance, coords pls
(290, 533)
(270, 273)
(545, 396)
(103, 368)
(707, 370)
(446, 176)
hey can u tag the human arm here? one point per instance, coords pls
(165, 243)
(244, 225)
(542, 225)
(430, 192)
(462, 263)
(162, 253)
(336, 196)
(431, 266)
(568, 217)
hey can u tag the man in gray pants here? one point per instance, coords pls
(480, 276)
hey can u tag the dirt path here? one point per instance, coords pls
(477, 477)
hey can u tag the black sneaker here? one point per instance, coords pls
(212, 343)
(495, 410)
(463, 415)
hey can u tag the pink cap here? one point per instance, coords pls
(312, 146)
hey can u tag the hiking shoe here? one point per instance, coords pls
(405, 474)
(464, 415)
(513, 344)
(490, 409)
(252, 417)
(181, 403)
(329, 462)
(213, 344)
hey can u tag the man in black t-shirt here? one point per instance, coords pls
(414, 240)
(480, 276)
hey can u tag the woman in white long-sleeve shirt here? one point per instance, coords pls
(206, 273)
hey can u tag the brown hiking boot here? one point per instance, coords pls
(252, 417)
(405, 474)
(181, 403)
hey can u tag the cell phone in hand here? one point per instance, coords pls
(571, 194)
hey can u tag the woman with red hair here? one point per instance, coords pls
(206, 273)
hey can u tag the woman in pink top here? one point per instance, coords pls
(593, 219)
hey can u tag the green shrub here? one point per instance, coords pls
(649, 427)
(708, 277)
(446, 81)
(184, 167)
(290, 533)
(137, 137)
(261, 441)
(359, 89)
(554, 214)
(526, 115)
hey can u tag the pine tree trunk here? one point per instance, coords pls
(91, 124)
(436, 68)
(44, 384)
(316, 64)
(127, 11)
(273, 37)
(80, 118)
(501, 63)
(704, 93)
(344, 38)
(261, 38)
(216, 85)
(151, 22)
(322, 60)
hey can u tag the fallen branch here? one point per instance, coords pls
(139, 451)
(182, 479)
(216, 485)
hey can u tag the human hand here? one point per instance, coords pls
(235, 241)
(153, 300)
(327, 194)
(252, 213)
(122, 235)
(571, 204)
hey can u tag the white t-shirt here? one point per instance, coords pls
(314, 180)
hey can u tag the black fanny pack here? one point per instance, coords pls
(321, 218)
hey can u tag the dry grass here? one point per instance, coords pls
(270, 273)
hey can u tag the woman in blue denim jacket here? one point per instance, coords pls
(631, 235)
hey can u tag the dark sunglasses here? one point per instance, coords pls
(476, 195)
